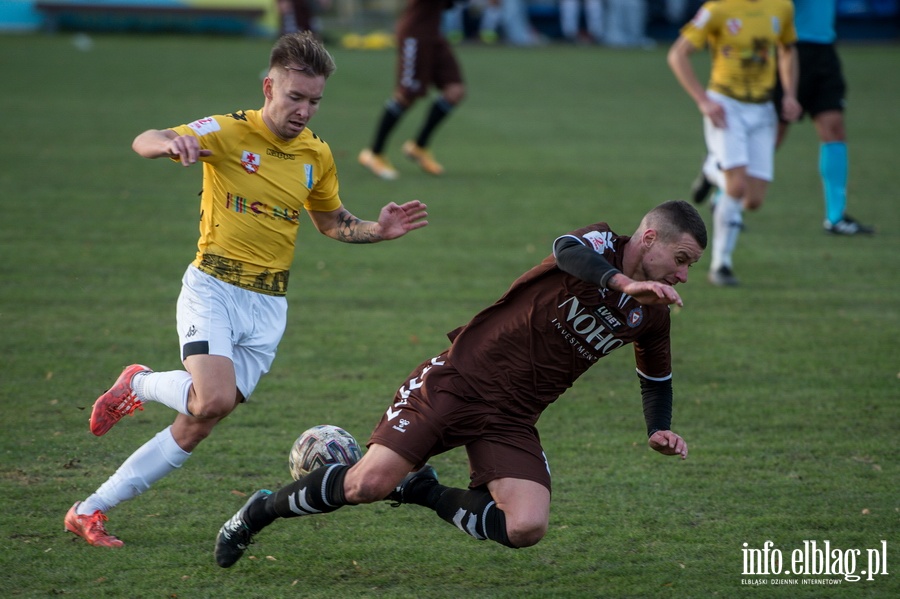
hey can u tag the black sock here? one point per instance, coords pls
(319, 492)
(474, 512)
(393, 110)
(439, 111)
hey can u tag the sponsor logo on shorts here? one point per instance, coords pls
(414, 383)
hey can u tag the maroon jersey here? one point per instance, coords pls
(550, 327)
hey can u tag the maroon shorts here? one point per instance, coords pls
(436, 410)
(423, 62)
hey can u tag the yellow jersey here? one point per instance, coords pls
(255, 186)
(743, 36)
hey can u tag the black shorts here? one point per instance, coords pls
(436, 410)
(821, 86)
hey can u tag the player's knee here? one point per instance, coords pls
(736, 189)
(753, 202)
(525, 534)
(405, 98)
(454, 94)
(367, 488)
(213, 406)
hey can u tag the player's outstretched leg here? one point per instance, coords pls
(319, 492)
(119, 401)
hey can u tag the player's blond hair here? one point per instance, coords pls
(304, 52)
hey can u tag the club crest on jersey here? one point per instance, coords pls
(250, 162)
(600, 240)
(635, 317)
(776, 25)
(733, 26)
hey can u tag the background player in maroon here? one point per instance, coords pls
(425, 59)
(598, 292)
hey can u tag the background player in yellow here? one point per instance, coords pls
(261, 169)
(821, 91)
(749, 41)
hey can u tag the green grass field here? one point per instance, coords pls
(786, 388)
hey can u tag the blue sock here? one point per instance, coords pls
(833, 169)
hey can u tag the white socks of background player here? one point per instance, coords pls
(712, 172)
(727, 222)
(168, 388)
(153, 460)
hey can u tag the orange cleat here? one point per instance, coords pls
(378, 164)
(119, 401)
(90, 528)
(422, 157)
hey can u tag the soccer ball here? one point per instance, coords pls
(322, 445)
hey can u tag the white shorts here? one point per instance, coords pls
(219, 319)
(748, 138)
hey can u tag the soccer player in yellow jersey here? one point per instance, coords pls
(750, 41)
(261, 170)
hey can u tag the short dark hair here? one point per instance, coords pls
(302, 51)
(676, 217)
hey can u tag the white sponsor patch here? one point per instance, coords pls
(701, 18)
(205, 125)
(599, 240)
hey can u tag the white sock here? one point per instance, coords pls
(713, 173)
(168, 388)
(727, 220)
(152, 461)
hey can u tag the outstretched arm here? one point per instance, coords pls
(581, 261)
(393, 222)
(646, 292)
(656, 396)
(159, 143)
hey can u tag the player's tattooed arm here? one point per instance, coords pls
(393, 221)
(354, 230)
(341, 225)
